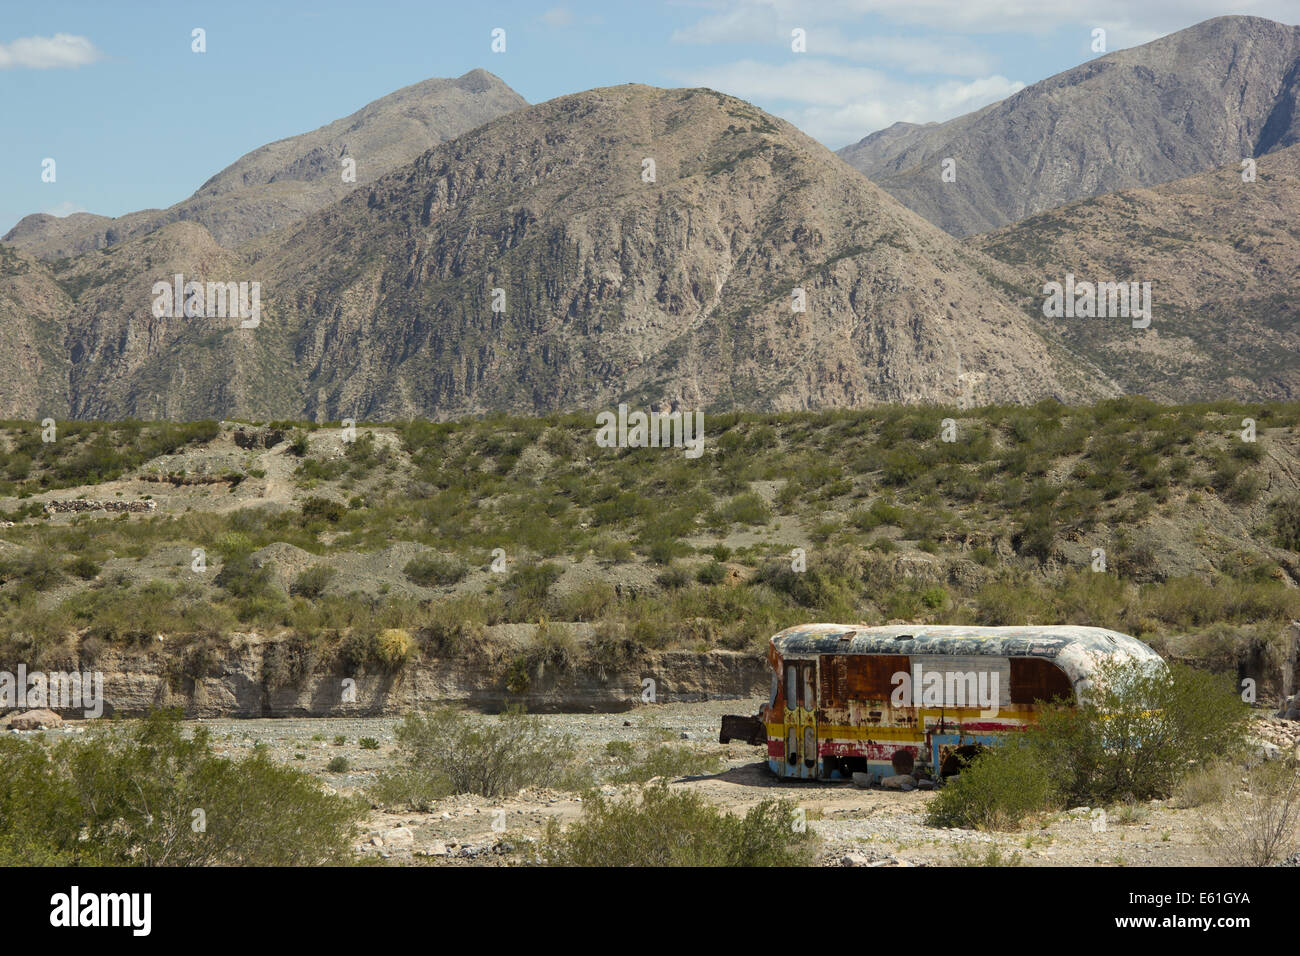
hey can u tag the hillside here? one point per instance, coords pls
(613, 288)
(1186, 103)
(313, 546)
(280, 183)
(1223, 259)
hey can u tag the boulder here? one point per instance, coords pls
(864, 780)
(35, 720)
(398, 837)
(900, 781)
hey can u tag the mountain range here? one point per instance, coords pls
(1215, 93)
(682, 248)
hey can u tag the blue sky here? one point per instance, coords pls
(111, 90)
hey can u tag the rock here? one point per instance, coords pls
(35, 720)
(376, 840)
(399, 836)
(438, 849)
(685, 736)
(855, 859)
(864, 780)
(926, 784)
(899, 781)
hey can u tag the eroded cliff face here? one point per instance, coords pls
(485, 676)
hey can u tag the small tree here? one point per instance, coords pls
(1139, 732)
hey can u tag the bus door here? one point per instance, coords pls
(801, 719)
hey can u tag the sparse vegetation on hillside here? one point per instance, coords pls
(1156, 520)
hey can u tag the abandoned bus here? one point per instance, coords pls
(888, 700)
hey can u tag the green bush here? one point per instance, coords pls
(676, 828)
(663, 761)
(997, 790)
(244, 578)
(1286, 521)
(1138, 732)
(312, 582)
(145, 795)
(324, 508)
(448, 752)
(531, 582)
(431, 570)
(83, 567)
(712, 573)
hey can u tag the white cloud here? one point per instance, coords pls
(61, 51)
(839, 103)
(65, 208)
(557, 17)
(747, 20)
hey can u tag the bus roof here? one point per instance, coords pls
(1066, 644)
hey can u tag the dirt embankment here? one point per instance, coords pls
(500, 669)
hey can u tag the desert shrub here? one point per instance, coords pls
(1138, 731)
(393, 647)
(1286, 521)
(430, 570)
(712, 573)
(673, 577)
(1260, 827)
(990, 856)
(555, 647)
(37, 569)
(821, 587)
(288, 662)
(322, 508)
(368, 743)
(613, 549)
(83, 567)
(662, 761)
(997, 790)
(531, 582)
(243, 577)
(448, 752)
(746, 508)
(338, 765)
(1207, 785)
(587, 602)
(676, 828)
(312, 582)
(366, 648)
(661, 547)
(127, 796)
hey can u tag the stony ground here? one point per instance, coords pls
(870, 827)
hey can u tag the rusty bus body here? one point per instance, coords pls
(848, 699)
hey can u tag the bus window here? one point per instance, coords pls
(809, 691)
(791, 685)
